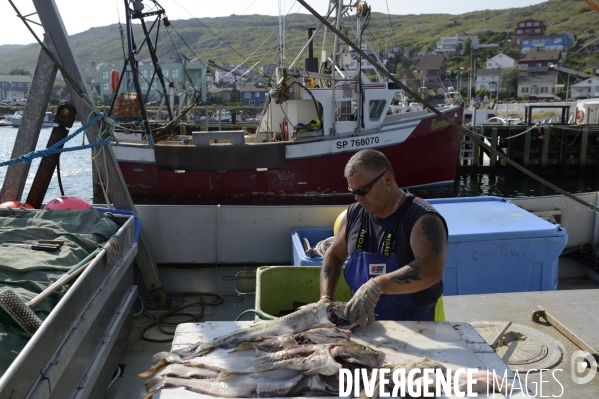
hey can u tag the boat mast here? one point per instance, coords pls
(134, 10)
(281, 33)
(339, 15)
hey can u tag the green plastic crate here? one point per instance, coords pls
(278, 287)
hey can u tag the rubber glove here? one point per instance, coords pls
(361, 307)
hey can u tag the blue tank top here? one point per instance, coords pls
(377, 239)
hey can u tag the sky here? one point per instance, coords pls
(80, 15)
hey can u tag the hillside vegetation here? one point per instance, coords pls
(254, 38)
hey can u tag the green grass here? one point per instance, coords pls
(239, 36)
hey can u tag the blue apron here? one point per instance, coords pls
(362, 266)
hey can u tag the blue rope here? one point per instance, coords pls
(55, 149)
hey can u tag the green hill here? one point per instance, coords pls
(254, 38)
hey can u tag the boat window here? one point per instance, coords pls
(344, 111)
(376, 109)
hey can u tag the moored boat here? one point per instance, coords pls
(313, 122)
(16, 118)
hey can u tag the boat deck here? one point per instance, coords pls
(514, 307)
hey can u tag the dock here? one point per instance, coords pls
(545, 148)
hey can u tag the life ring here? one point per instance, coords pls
(579, 115)
(286, 129)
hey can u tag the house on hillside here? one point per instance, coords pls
(526, 28)
(433, 67)
(388, 54)
(455, 44)
(253, 95)
(587, 88)
(553, 42)
(193, 76)
(230, 72)
(538, 61)
(541, 87)
(501, 61)
(14, 86)
(488, 79)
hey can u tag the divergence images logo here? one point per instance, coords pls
(580, 361)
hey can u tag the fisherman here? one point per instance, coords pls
(397, 244)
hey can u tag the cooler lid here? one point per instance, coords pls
(491, 218)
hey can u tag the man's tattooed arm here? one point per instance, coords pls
(406, 274)
(434, 232)
(325, 272)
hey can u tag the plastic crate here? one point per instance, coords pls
(278, 287)
(314, 236)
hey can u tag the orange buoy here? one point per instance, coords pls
(286, 129)
(68, 202)
(15, 205)
(114, 80)
(579, 115)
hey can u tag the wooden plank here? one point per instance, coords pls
(493, 161)
(545, 150)
(526, 160)
(584, 141)
(572, 320)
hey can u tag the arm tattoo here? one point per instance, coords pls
(325, 273)
(407, 274)
(434, 233)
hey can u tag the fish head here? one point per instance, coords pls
(354, 352)
(336, 314)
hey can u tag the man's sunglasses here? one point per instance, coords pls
(365, 189)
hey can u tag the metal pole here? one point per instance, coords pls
(29, 130)
(106, 160)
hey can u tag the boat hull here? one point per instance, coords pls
(427, 155)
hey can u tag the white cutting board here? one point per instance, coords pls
(455, 345)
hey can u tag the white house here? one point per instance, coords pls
(455, 44)
(587, 88)
(539, 87)
(488, 79)
(501, 61)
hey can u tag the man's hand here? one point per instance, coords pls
(361, 307)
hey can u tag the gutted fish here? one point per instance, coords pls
(313, 336)
(353, 352)
(182, 371)
(306, 318)
(270, 384)
(321, 359)
(310, 359)
(232, 362)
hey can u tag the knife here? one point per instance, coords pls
(36, 247)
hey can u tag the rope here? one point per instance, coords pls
(450, 121)
(175, 311)
(57, 148)
(261, 315)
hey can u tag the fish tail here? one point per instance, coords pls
(153, 385)
(156, 368)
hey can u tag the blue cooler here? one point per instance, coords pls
(494, 246)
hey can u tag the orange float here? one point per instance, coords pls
(15, 205)
(114, 80)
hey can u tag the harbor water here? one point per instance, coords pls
(76, 174)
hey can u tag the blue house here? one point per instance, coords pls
(553, 42)
(253, 96)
